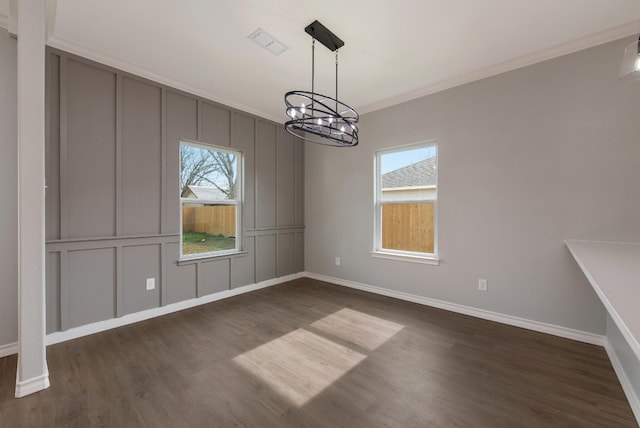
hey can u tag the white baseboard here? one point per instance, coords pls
(555, 330)
(8, 349)
(32, 385)
(629, 391)
(96, 327)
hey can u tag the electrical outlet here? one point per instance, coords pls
(337, 261)
(151, 283)
(483, 285)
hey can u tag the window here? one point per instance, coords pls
(405, 203)
(210, 187)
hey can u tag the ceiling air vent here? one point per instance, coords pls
(267, 41)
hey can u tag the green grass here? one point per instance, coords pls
(197, 242)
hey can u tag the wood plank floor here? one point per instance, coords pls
(312, 354)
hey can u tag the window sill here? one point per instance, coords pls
(210, 257)
(427, 260)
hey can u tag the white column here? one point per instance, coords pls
(32, 375)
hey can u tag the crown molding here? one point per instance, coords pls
(576, 45)
(4, 21)
(85, 52)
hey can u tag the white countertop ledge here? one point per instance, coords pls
(613, 269)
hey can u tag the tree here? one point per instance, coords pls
(199, 166)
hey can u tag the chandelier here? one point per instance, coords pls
(320, 118)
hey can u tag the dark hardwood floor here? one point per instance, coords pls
(311, 354)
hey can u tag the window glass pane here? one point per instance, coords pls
(409, 174)
(209, 186)
(406, 199)
(408, 227)
(207, 174)
(208, 228)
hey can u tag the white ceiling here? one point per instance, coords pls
(394, 50)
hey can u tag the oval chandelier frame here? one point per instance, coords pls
(320, 118)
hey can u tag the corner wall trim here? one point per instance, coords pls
(32, 385)
(8, 349)
(629, 391)
(96, 327)
(555, 330)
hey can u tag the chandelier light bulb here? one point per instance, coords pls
(342, 128)
(319, 121)
(302, 108)
(637, 65)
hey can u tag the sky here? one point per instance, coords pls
(395, 160)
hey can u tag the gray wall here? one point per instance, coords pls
(526, 159)
(8, 190)
(113, 207)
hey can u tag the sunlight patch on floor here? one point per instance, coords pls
(356, 327)
(300, 364)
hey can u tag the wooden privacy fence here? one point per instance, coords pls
(408, 227)
(215, 220)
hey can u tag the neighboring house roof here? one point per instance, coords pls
(422, 173)
(203, 192)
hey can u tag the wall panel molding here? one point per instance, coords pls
(118, 156)
(135, 125)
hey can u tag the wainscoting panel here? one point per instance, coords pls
(213, 124)
(180, 281)
(52, 168)
(90, 295)
(298, 205)
(265, 175)
(53, 292)
(88, 151)
(286, 254)
(243, 268)
(141, 158)
(286, 178)
(139, 263)
(214, 276)
(113, 195)
(181, 124)
(243, 138)
(266, 252)
(299, 251)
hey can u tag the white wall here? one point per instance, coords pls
(526, 159)
(8, 191)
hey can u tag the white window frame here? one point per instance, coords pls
(409, 256)
(235, 202)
